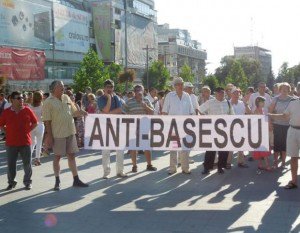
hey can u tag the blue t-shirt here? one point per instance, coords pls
(115, 102)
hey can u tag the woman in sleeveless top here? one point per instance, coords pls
(281, 126)
(38, 133)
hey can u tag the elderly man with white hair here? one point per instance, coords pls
(178, 102)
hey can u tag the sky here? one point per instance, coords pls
(222, 24)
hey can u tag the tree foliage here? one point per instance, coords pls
(231, 68)
(93, 72)
(211, 81)
(186, 73)
(158, 76)
(289, 74)
(237, 76)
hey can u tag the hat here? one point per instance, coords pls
(219, 89)
(234, 90)
(188, 84)
(177, 80)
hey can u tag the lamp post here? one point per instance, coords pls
(147, 62)
(126, 41)
(52, 46)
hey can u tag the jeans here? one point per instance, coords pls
(12, 157)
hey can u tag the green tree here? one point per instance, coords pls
(91, 73)
(211, 81)
(237, 76)
(186, 73)
(270, 80)
(158, 76)
(113, 72)
(222, 72)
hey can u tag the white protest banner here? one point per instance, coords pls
(174, 133)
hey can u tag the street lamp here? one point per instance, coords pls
(147, 62)
(52, 46)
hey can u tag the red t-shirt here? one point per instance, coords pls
(18, 126)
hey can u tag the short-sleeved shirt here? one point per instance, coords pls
(18, 126)
(293, 110)
(60, 113)
(216, 107)
(115, 102)
(239, 108)
(194, 102)
(173, 105)
(267, 102)
(280, 106)
(133, 107)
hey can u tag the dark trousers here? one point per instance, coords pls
(12, 157)
(210, 158)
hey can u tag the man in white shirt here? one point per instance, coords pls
(217, 106)
(152, 96)
(178, 102)
(188, 88)
(239, 108)
(261, 92)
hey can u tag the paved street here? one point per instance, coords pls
(149, 202)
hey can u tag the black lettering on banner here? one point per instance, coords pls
(110, 130)
(203, 132)
(173, 136)
(189, 132)
(138, 123)
(251, 143)
(127, 122)
(234, 143)
(157, 132)
(221, 133)
(95, 136)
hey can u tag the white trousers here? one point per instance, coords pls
(184, 160)
(37, 139)
(106, 161)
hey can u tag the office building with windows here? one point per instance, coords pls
(176, 48)
(263, 56)
(124, 29)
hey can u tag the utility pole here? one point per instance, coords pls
(126, 41)
(147, 62)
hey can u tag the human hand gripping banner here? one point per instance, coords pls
(176, 133)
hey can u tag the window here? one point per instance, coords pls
(117, 11)
(117, 24)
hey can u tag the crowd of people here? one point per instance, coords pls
(36, 121)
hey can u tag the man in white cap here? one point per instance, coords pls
(189, 88)
(240, 108)
(178, 102)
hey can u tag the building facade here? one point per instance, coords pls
(176, 48)
(263, 56)
(61, 29)
(124, 29)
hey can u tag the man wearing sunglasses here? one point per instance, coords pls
(19, 121)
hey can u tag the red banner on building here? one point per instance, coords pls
(21, 64)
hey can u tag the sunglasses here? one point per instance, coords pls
(19, 98)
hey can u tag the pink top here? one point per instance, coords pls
(91, 108)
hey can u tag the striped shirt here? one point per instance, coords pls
(60, 113)
(133, 107)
